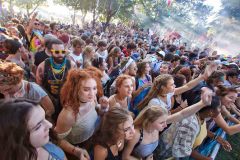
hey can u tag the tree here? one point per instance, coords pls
(122, 9)
(29, 5)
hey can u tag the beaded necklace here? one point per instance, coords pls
(58, 68)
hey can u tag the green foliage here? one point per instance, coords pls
(29, 5)
(82, 5)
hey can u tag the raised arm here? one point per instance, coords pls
(30, 25)
(206, 99)
(228, 129)
(225, 112)
(208, 71)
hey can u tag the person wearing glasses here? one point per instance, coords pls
(34, 33)
(52, 72)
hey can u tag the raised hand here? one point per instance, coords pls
(206, 96)
(209, 69)
(104, 103)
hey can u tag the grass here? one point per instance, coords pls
(235, 153)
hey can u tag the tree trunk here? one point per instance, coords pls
(1, 8)
(74, 16)
(94, 18)
(11, 7)
(108, 19)
(84, 14)
(27, 10)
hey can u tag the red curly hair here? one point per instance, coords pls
(97, 75)
(121, 78)
(69, 94)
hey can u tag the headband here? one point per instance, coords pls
(127, 65)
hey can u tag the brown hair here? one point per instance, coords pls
(12, 45)
(102, 43)
(216, 75)
(10, 73)
(121, 78)
(114, 51)
(186, 72)
(110, 132)
(158, 82)
(141, 68)
(223, 91)
(78, 41)
(69, 94)
(149, 115)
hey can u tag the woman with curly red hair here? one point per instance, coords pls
(77, 121)
(125, 86)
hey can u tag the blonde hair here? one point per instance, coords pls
(87, 50)
(158, 82)
(148, 115)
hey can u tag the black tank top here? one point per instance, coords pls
(111, 156)
(53, 84)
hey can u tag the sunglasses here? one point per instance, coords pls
(36, 24)
(58, 51)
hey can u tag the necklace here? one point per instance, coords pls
(57, 66)
(82, 101)
(61, 77)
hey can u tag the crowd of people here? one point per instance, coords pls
(85, 93)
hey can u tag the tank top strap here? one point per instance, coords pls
(46, 67)
(110, 155)
(140, 139)
(68, 64)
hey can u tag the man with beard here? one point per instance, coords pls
(52, 72)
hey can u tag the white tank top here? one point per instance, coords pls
(83, 128)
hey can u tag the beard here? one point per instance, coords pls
(58, 60)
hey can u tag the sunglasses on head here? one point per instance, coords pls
(58, 51)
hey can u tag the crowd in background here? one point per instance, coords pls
(121, 93)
